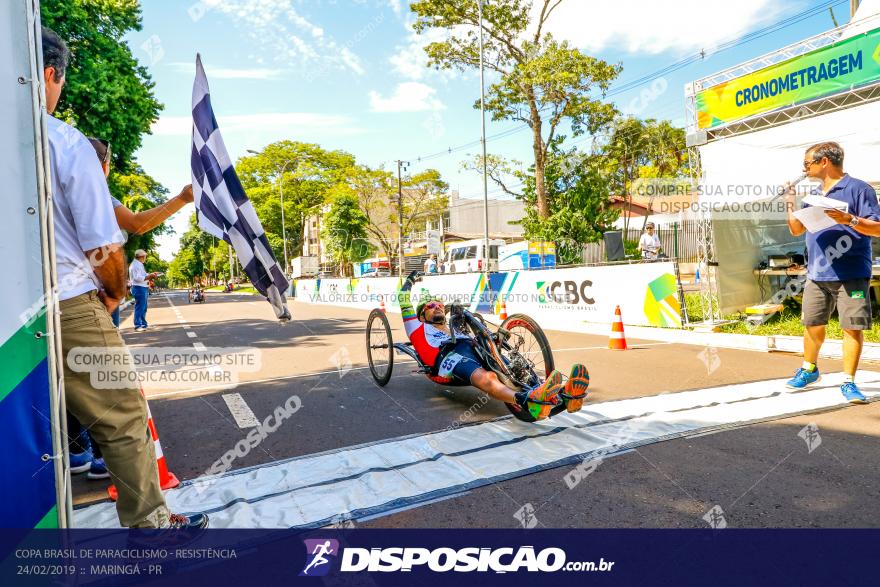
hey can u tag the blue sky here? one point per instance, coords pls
(350, 74)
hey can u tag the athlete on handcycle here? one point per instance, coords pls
(431, 337)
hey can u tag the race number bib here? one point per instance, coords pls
(448, 364)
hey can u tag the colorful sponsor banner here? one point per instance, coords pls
(836, 68)
(561, 299)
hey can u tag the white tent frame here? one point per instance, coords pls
(855, 96)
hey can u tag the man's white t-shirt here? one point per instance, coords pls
(84, 218)
(650, 244)
(137, 274)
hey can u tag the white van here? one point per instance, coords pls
(468, 257)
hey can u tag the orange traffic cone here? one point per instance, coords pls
(167, 479)
(617, 342)
(382, 305)
(502, 312)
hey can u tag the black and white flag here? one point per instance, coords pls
(223, 208)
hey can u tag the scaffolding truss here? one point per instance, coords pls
(855, 96)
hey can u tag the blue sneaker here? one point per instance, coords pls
(80, 462)
(98, 470)
(803, 378)
(852, 394)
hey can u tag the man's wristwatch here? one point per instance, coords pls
(854, 221)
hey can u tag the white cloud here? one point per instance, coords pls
(279, 30)
(297, 122)
(648, 26)
(407, 97)
(230, 73)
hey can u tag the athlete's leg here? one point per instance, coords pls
(488, 382)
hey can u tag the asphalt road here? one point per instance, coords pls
(760, 475)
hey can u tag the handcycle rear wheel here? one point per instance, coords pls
(380, 349)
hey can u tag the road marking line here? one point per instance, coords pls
(191, 334)
(186, 326)
(365, 480)
(267, 380)
(199, 346)
(242, 412)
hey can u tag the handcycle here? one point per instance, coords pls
(517, 351)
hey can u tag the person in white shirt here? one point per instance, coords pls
(140, 288)
(431, 264)
(649, 244)
(91, 282)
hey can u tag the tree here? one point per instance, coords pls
(107, 94)
(345, 229)
(542, 82)
(639, 148)
(578, 195)
(424, 197)
(304, 172)
(194, 257)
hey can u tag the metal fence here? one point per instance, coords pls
(679, 240)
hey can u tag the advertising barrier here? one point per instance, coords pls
(561, 299)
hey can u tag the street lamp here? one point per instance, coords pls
(283, 226)
(483, 140)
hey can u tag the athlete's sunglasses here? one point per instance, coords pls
(433, 305)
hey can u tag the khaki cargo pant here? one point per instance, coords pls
(116, 418)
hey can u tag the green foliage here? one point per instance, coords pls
(345, 229)
(107, 94)
(304, 173)
(194, 258)
(541, 82)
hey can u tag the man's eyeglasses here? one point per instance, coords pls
(811, 162)
(434, 305)
(106, 143)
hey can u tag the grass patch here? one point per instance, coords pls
(785, 323)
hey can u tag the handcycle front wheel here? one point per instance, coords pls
(380, 347)
(532, 347)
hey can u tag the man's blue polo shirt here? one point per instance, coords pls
(852, 257)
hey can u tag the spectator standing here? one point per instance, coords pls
(140, 288)
(431, 264)
(649, 243)
(91, 278)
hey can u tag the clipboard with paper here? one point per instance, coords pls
(813, 217)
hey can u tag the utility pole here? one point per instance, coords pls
(401, 167)
(483, 141)
(853, 6)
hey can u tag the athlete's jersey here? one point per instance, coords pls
(426, 338)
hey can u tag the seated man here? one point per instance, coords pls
(430, 335)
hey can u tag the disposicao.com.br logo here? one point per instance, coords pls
(442, 560)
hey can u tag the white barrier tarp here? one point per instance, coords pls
(371, 479)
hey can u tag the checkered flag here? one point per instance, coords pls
(222, 207)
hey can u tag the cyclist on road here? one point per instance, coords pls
(427, 329)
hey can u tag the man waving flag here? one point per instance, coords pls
(222, 207)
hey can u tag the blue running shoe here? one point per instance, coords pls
(80, 462)
(852, 394)
(803, 378)
(98, 470)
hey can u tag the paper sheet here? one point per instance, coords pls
(813, 217)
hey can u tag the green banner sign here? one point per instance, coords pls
(830, 70)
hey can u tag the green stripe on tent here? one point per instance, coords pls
(21, 353)
(50, 520)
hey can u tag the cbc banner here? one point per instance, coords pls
(560, 299)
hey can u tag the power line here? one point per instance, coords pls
(736, 42)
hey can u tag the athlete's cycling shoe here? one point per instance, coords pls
(539, 401)
(576, 388)
(803, 378)
(852, 394)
